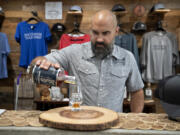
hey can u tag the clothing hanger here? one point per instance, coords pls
(32, 19)
(159, 26)
(35, 17)
(76, 29)
(122, 30)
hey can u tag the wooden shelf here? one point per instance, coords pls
(161, 11)
(1, 14)
(46, 105)
(146, 102)
(120, 13)
(149, 106)
(77, 13)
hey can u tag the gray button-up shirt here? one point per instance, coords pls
(102, 81)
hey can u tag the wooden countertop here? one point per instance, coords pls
(127, 121)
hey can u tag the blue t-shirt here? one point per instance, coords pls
(4, 51)
(33, 39)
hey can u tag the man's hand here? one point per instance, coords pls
(137, 101)
(42, 62)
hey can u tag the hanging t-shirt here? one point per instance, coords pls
(157, 55)
(4, 51)
(68, 39)
(33, 39)
(128, 41)
(178, 36)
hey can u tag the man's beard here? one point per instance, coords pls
(101, 49)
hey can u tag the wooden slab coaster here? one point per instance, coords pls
(88, 118)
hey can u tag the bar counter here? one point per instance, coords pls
(27, 123)
(51, 131)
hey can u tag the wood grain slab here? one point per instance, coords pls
(88, 118)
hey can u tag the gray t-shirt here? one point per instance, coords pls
(158, 55)
(102, 81)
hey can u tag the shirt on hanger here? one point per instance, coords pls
(157, 55)
(33, 39)
(128, 41)
(68, 39)
(178, 37)
(4, 51)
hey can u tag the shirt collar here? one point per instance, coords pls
(88, 53)
(117, 52)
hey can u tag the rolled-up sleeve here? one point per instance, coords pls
(134, 81)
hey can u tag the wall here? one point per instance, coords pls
(19, 10)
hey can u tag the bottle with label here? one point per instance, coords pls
(55, 77)
(148, 92)
(50, 77)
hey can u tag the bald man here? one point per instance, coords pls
(102, 69)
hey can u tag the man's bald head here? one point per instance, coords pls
(104, 16)
(103, 31)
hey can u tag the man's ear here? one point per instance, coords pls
(117, 30)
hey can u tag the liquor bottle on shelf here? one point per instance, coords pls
(148, 92)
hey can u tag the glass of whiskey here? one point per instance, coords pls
(75, 96)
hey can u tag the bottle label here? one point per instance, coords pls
(148, 92)
(43, 76)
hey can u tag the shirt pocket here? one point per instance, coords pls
(88, 73)
(118, 78)
(119, 72)
(86, 69)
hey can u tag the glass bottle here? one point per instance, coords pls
(148, 92)
(55, 77)
(50, 77)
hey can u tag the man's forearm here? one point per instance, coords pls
(137, 101)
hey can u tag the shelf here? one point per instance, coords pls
(146, 102)
(78, 13)
(120, 13)
(46, 105)
(149, 106)
(1, 14)
(161, 11)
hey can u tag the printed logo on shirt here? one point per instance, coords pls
(159, 47)
(29, 36)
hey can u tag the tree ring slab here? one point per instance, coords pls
(88, 118)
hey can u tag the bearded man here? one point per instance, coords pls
(102, 68)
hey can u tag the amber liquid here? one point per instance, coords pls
(59, 83)
(76, 105)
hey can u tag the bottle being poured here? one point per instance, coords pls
(55, 77)
(50, 77)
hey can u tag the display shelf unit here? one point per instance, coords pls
(120, 13)
(75, 13)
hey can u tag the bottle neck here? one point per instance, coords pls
(67, 79)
